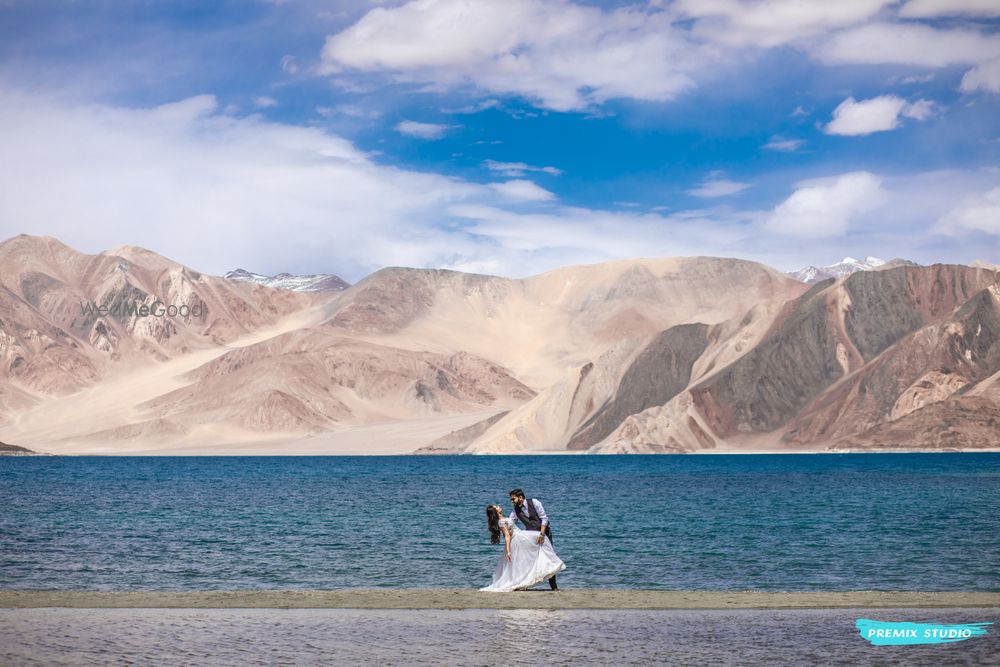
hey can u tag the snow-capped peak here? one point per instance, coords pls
(320, 282)
(845, 267)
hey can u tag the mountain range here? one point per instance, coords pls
(126, 351)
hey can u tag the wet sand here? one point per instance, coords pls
(268, 637)
(453, 598)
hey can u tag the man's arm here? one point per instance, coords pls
(541, 513)
(543, 516)
(513, 515)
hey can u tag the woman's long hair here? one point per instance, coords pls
(493, 523)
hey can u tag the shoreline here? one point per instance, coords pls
(745, 452)
(461, 598)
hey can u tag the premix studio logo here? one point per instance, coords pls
(888, 633)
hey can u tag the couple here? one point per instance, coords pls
(529, 556)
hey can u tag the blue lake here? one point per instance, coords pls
(769, 522)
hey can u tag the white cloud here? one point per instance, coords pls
(922, 45)
(920, 110)
(909, 44)
(936, 8)
(826, 207)
(718, 187)
(516, 169)
(186, 110)
(778, 143)
(559, 54)
(570, 57)
(289, 65)
(217, 191)
(412, 128)
(265, 101)
(980, 212)
(349, 110)
(475, 108)
(879, 114)
(768, 23)
(595, 235)
(523, 190)
(983, 77)
(917, 78)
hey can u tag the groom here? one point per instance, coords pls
(532, 515)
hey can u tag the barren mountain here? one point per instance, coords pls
(407, 344)
(544, 326)
(947, 340)
(587, 329)
(70, 321)
(858, 362)
(67, 318)
(658, 355)
(634, 375)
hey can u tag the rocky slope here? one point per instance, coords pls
(633, 377)
(641, 351)
(901, 358)
(313, 380)
(854, 363)
(14, 450)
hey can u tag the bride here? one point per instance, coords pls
(526, 562)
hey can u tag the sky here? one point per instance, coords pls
(507, 137)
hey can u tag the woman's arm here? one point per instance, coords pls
(506, 540)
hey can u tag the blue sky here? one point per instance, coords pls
(503, 137)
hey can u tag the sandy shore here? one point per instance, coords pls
(455, 598)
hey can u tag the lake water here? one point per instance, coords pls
(770, 522)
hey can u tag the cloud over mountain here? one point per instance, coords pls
(826, 207)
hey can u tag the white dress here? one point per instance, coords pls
(529, 564)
